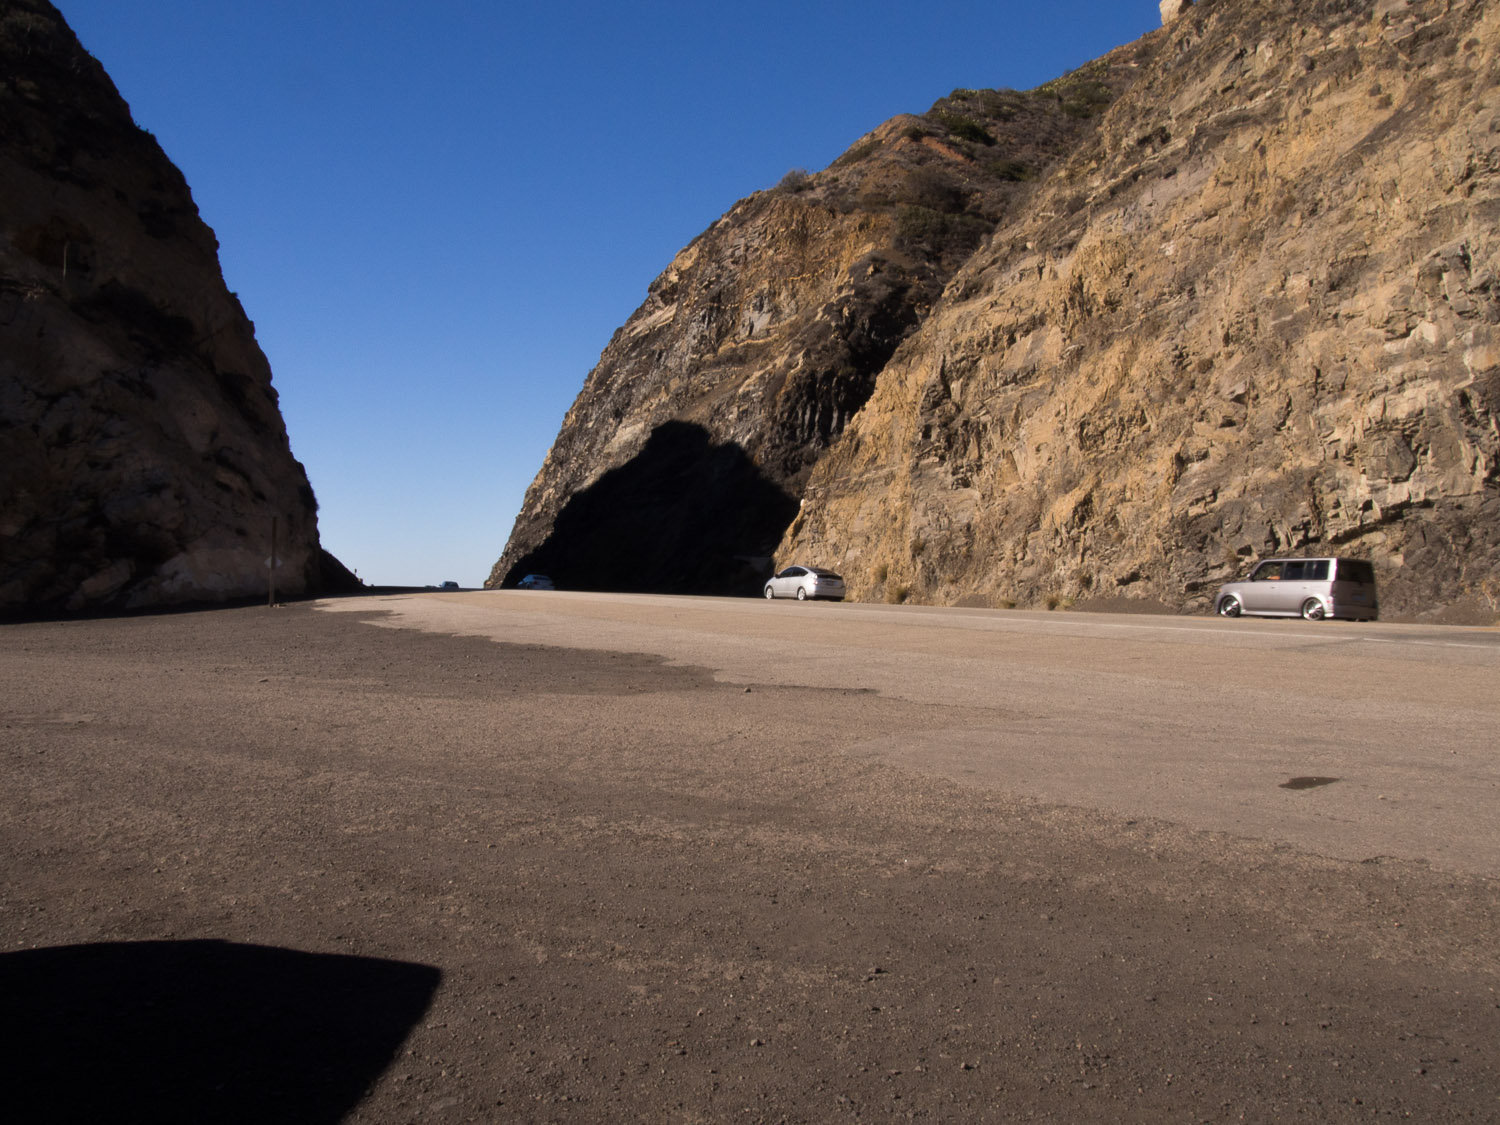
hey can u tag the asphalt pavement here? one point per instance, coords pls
(1352, 740)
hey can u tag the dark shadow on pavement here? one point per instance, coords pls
(198, 1031)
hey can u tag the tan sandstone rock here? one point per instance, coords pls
(685, 454)
(1257, 314)
(1248, 306)
(1171, 9)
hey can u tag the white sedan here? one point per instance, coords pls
(803, 582)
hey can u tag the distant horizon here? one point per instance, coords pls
(437, 220)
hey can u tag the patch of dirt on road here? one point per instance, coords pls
(649, 895)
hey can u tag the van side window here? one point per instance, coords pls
(1266, 571)
(1294, 571)
(1317, 570)
(1356, 570)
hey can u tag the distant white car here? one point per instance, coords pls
(803, 582)
(448, 586)
(535, 582)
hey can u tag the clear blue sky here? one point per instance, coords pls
(437, 212)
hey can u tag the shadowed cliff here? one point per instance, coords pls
(143, 456)
(684, 515)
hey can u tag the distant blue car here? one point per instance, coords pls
(535, 582)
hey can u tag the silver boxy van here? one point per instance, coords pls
(1310, 588)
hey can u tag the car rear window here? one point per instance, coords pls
(1356, 570)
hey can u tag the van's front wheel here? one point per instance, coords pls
(1229, 607)
(1312, 610)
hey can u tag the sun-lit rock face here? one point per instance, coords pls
(680, 464)
(1249, 305)
(1256, 312)
(143, 457)
(1171, 9)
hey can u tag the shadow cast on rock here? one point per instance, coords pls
(197, 1031)
(685, 515)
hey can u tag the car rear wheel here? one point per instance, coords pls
(1312, 610)
(769, 594)
(1229, 607)
(802, 593)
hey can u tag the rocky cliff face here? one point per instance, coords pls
(1256, 312)
(1250, 306)
(142, 454)
(682, 461)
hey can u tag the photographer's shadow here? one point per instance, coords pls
(197, 1031)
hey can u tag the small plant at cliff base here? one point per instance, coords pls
(897, 594)
(1489, 590)
(880, 572)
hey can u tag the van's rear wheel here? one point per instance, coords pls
(1312, 610)
(1229, 607)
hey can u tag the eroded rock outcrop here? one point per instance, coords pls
(1250, 308)
(1171, 9)
(764, 338)
(143, 457)
(1256, 312)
